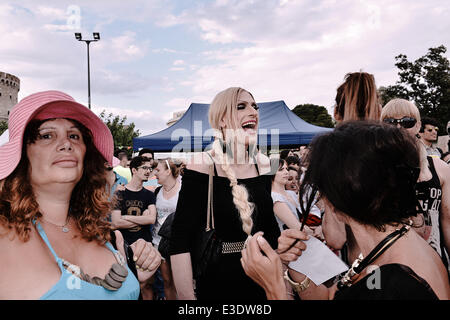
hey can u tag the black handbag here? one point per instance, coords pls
(208, 246)
(165, 232)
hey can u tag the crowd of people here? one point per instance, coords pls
(80, 220)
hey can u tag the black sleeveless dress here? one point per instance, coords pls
(227, 281)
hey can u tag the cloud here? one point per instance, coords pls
(216, 33)
(300, 51)
(125, 47)
(55, 13)
(295, 50)
(180, 104)
(146, 121)
(178, 65)
(44, 54)
(163, 50)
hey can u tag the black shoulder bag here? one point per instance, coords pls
(207, 247)
(165, 232)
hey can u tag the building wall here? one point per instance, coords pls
(176, 116)
(9, 90)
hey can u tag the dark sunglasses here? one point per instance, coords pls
(405, 122)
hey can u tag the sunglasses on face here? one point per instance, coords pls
(431, 129)
(405, 122)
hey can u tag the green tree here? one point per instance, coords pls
(3, 126)
(426, 81)
(122, 133)
(314, 114)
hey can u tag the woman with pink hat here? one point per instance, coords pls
(54, 234)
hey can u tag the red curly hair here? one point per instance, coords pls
(89, 204)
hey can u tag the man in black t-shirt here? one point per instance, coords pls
(135, 209)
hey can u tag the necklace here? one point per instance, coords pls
(64, 228)
(171, 187)
(361, 263)
(114, 278)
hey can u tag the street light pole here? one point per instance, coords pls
(96, 38)
(89, 75)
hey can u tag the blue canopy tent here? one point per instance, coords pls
(277, 125)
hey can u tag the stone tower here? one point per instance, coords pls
(9, 89)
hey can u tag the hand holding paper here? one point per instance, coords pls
(318, 262)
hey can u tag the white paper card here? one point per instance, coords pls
(318, 262)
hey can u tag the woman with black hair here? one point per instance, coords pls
(378, 166)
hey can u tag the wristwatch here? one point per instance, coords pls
(299, 287)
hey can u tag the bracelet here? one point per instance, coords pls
(299, 287)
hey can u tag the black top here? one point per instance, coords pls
(430, 199)
(134, 203)
(228, 280)
(389, 282)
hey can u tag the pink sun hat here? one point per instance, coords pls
(49, 105)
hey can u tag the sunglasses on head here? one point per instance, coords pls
(405, 122)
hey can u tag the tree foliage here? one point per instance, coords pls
(3, 126)
(314, 114)
(122, 133)
(426, 81)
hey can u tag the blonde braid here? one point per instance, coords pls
(239, 192)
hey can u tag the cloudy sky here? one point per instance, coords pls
(156, 57)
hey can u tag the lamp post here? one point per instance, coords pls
(96, 38)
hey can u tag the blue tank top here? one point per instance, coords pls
(70, 287)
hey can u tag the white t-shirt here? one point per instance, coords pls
(277, 197)
(164, 207)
